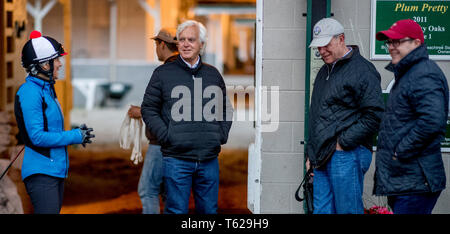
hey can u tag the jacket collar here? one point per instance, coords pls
(45, 84)
(171, 58)
(193, 71)
(348, 56)
(354, 51)
(38, 81)
(408, 61)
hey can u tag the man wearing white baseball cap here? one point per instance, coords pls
(324, 31)
(345, 112)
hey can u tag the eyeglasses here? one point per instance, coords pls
(396, 43)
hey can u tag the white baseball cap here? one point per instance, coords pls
(324, 30)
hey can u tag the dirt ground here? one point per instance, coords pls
(103, 180)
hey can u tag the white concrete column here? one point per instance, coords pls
(113, 40)
(254, 187)
(243, 46)
(215, 40)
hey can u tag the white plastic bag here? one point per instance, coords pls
(131, 131)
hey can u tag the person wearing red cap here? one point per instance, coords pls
(41, 125)
(409, 166)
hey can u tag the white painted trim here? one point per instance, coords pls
(373, 56)
(258, 70)
(373, 10)
(254, 153)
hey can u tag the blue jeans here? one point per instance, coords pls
(150, 182)
(338, 186)
(413, 204)
(46, 193)
(182, 175)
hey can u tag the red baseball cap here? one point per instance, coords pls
(401, 29)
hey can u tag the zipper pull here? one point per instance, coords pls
(329, 72)
(328, 69)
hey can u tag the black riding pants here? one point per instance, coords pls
(46, 193)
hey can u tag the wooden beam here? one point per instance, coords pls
(2, 57)
(64, 87)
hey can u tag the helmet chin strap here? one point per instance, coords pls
(48, 74)
(50, 71)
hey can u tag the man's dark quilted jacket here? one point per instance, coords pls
(346, 106)
(408, 158)
(196, 137)
(151, 138)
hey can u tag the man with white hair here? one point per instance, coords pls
(185, 106)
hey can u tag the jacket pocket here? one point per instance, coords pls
(223, 136)
(167, 140)
(193, 135)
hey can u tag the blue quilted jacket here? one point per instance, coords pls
(41, 125)
(409, 158)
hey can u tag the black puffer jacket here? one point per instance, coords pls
(346, 106)
(151, 138)
(172, 94)
(408, 158)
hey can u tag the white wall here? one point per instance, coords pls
(282, 64)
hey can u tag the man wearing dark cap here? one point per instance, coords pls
(166, 45)
(409, 166)
(150, 182)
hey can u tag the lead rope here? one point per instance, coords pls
(3, 174)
